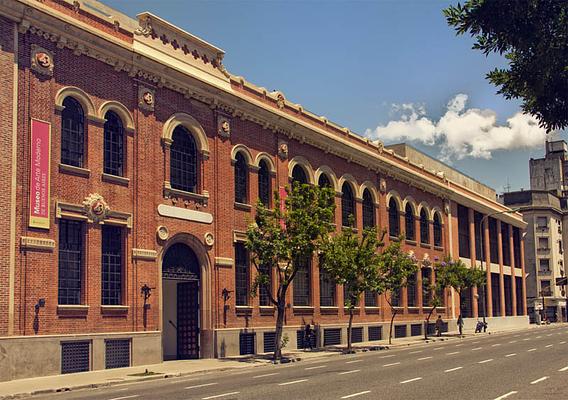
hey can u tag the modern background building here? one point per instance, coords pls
(131, 161)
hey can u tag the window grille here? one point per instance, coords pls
(347, 205)
(331, 336)
(70, 261)
(327, 289)
(375, 333)
(370, 299)
(323, 181)
(113, 145)
(117, 353)
(368, 210)
(409, 223)
(246, 343)
(424, 228)
(357, 335)
(438, 231)
(241, 179)
(400, 331)
(241, 275)
(183, 160)
(264, 184)
(415, 329)
(394, 221)
(301, 342)
(269, 341)
(72, 133)
(111, 265)
(75, 357)
(302, 282)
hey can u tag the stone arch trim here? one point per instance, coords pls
(324, 169)
(410, 200)
(304, 163)
(350, 180)
(121, 110)
(393, 194)
(372, 189)
(79, 95)
(205, 288)
(269, 161)
(241, 148)
(191, 124)
(424, 206)
(434, 211)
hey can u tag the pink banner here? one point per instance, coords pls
(39, 174)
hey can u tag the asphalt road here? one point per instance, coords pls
(528, 365)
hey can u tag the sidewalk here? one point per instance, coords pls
(58, 383)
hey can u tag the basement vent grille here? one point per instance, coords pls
(415, 329)
(269, 341)
(357, 335)
(246, 343)
(117, 353)
(400, 331)
(331, 336)
(75, 357)
(375, 333)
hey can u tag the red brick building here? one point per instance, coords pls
(131, 163)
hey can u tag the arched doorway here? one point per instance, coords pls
(180, 290)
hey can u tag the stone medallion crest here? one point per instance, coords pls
(42, 60)
(146, 98)
(96, 207)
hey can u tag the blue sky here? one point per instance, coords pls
(365, 63)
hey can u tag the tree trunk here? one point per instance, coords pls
(394, 312)
(281, 310)
(428, 323)
(349, 328)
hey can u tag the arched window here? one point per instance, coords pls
(72, 133)
(368, 210)
(264, 183)
(323, 181)
(183, 160)
(394, 221)
(437, 230)
(299, 175)
(409, 222)
(241, 179)
(424, 227)
(113, 145)
(347, 205)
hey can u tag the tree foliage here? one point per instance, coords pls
(354, 262)
(294, 229)
(533, 37)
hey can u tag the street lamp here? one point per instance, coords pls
(483, 219)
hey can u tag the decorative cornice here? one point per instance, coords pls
(144, 254)
(33, 243)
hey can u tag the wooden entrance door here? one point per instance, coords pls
(188, 320)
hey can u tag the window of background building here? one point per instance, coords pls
(327, 289)
(542, 243)
(264, 188)
(347, 206)
(544, 265)
(545, 289)
(424, 227)
(241, 275)
(477, 217)
(437, 230)
(463, 232)
(542, 223)
(302, 285)
(493, 241)
(70, 261)
(113, 145)
(368, 210)
(345, 297)
(505, 244)
(409, 223)
(517, 247)
(111, 282)
(394, 220)
(72, 133)
(241, 179)
(183, 161)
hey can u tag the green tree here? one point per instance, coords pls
(397, 267)
(533, 37)
(291, 231)
(354, 262)
(452, 274)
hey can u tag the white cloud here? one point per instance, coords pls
(460, 132)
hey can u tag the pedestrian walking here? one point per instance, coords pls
(308, 337)
(460, 324)
(478, 326)
(439, 326)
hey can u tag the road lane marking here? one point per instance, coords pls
(525, 339)
(562, 342)
(477, 348)
(349, 372)
(538, 337)
(517, 336)
(548, 345)
(475, 342)
(485, 361)
(219, 395)
(563, 369)
(425, 358)
(438, 348)
(411, 380)
(353, 362)
(202, 385)
(319, 366)
(292, 382)
(453, 369)
(453, 352)
(126, 397)
(415, 352)
(550, 334)
(496, 344)
(511, 355)
(265, 375)
(539, 380)
(529, 350)
(506, 395)
(458, 345)
(356, 394)
(389, 356)
(390, 365)
(513, 341)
